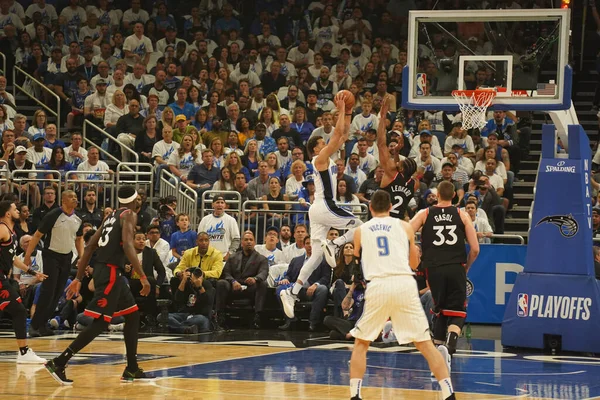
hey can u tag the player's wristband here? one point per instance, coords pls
(348, 115)
(30, 271)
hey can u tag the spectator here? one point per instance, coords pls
(137, 47)
(342, 277)
(159, 89)
(51, 141)
(482, 226)
(508, 137)
(223, 230)
(38, 154)
(203, 176)
(58, 163)
(459, 136)
(154, 241)
(152, 267)
(23, 225)
(353, 170)
(193, 302)
(352, 307)
(370, 186)
(184, 238)
(162, 150)
(233, 113)
(426, 137)
(134, 15)
(49, 203)
(344, 195)
(285, 237)
(18, 167)
(39, 123)
(89, 211)
(488, 201)
(184, 159)
(75, 153)
(367, 162)
(426, 162)
(244, 275)
(269, 249)
(93, 164)
(318, 285)
(181, 106)
(297, 248)
(273, 80)
(115, 110)
(28, 282)
(447, 175)
(145, 141)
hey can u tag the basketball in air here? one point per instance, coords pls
(349, 99)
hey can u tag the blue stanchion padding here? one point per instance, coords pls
(560, 236)
(491, 279)
(553, 304)
(557, 294)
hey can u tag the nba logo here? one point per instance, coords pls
(421, 84)
(522, 305)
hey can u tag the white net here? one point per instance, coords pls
(473, 105)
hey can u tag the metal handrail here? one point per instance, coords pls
(507, 236)
(41, 103)
(187, 202)
(137, 174)
(110, 138)
(3, 63)
(581, 49)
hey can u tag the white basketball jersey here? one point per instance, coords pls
(385, 248)
(325, 182)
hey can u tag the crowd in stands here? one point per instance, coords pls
(224, 96)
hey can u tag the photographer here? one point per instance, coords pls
(352, 307)
(194, 303)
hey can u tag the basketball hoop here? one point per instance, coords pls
(473, 104)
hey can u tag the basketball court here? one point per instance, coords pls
(291, 365)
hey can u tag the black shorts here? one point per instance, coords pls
(448, 284)
(112, 295)
(8, 293)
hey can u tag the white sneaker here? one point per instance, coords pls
(66, 324)
(54, 323)
(444, 351)
(288, 300)
(330, 251)
(30, 358)
(116, 327)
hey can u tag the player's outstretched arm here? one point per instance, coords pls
(471, 235)
(387, 162)
(340, 133)
(413, 254)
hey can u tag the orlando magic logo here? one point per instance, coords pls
(567, 225)
(470, 287)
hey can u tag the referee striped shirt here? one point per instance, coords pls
(60, 230)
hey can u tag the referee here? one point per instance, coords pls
(61, 227)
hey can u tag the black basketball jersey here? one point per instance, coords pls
(443, 237)
(8, 250)
(110, 244)
(401, 192)
(325, 92)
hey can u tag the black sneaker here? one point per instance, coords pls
(138, 375)
(58, 373)
(356, 398)
(45, 331)
(34, 332)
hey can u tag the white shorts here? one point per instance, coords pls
(324, 216)
(395, 297)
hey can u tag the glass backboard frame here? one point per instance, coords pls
(564, 79)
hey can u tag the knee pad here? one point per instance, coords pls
(458, 321)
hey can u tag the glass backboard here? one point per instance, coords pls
(524, 53)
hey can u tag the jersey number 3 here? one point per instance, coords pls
(445, 235)
(106, 230)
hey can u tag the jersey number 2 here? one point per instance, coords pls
(106, 230)
(445, 235)
(399, 200)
